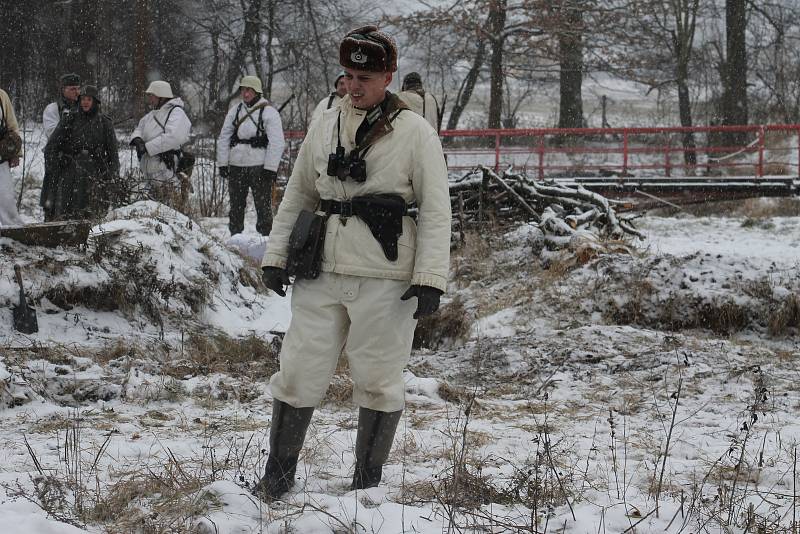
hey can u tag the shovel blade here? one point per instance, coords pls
(25, 320)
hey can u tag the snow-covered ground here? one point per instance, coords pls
(644, 392)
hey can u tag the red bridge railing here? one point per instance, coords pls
(757, 150)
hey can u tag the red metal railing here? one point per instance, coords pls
(761, 150)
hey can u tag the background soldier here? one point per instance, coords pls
(249, 152)
(158, 139)
(419, 100)
(68, 103)
(62, 108)
(359, 167)
(333, 99)
(10, 154)
(82, 152)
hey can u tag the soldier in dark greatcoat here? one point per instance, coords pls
(82, 152)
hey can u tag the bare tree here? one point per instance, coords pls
(569, 33)
(734, 99)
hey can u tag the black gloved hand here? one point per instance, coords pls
(427, 299)
(275, 279)
(267, 174)
(224, 171)
(138, 144)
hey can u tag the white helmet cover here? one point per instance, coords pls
(160, 89)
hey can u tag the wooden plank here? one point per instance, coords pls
(50, 234)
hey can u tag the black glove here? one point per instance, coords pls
(267, 174)
(138, 144)
(223, 172)
(275, 279)
(427, 299)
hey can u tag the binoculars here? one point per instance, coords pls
(342, 166)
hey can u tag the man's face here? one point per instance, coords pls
(86, 103)
(341, 86)
(247, 94)
(152, 100)
(367, 89)
(71, 92)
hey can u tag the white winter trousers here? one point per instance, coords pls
(8, 202)
(362, 316)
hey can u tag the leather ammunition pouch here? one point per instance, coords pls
(305, 246)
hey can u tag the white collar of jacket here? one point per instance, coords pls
(258, 102)
(352, 117)
(176, 102)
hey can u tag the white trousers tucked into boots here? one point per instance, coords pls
(8, 199)
(362, 316)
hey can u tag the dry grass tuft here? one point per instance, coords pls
(786, 317)
(217, 352)
(454, 394)
(473, 261)
(680, 312)
(152, 501)
(340, 390)
(469, 490)
(725, 317)
(450, 324)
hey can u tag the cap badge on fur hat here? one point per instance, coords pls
(358, 57)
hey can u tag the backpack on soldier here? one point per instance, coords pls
(10, 142)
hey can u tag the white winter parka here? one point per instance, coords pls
(161, 134)
(333, 99)
(51, 117)
(427, 107)
(244, 155)
(407, 161)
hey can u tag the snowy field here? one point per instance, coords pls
(646, 392)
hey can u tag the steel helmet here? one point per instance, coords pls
(90, 90)
(253, 82)
(160, 89)
(339, 76)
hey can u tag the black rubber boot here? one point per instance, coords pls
(286, 436)
(373, 443)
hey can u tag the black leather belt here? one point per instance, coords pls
(337, 207)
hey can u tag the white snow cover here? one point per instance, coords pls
(552, 408)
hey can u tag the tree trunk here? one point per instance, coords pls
(140, 55)
(734, 111)
(241, 48)
(83, 36)
(570, 48)
(497, 15)
(462, 100)
(684, 103)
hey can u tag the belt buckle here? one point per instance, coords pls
(346, 210)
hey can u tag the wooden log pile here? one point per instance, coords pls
(561, 213)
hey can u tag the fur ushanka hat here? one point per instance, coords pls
(369, 49)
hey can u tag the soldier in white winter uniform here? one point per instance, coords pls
(10, 154)
(333, 99)
(158, 139)
(359, 168)
(418, 100)
(249, 150)
(68, 103)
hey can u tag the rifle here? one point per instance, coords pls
(285, 103)
(441, 114)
